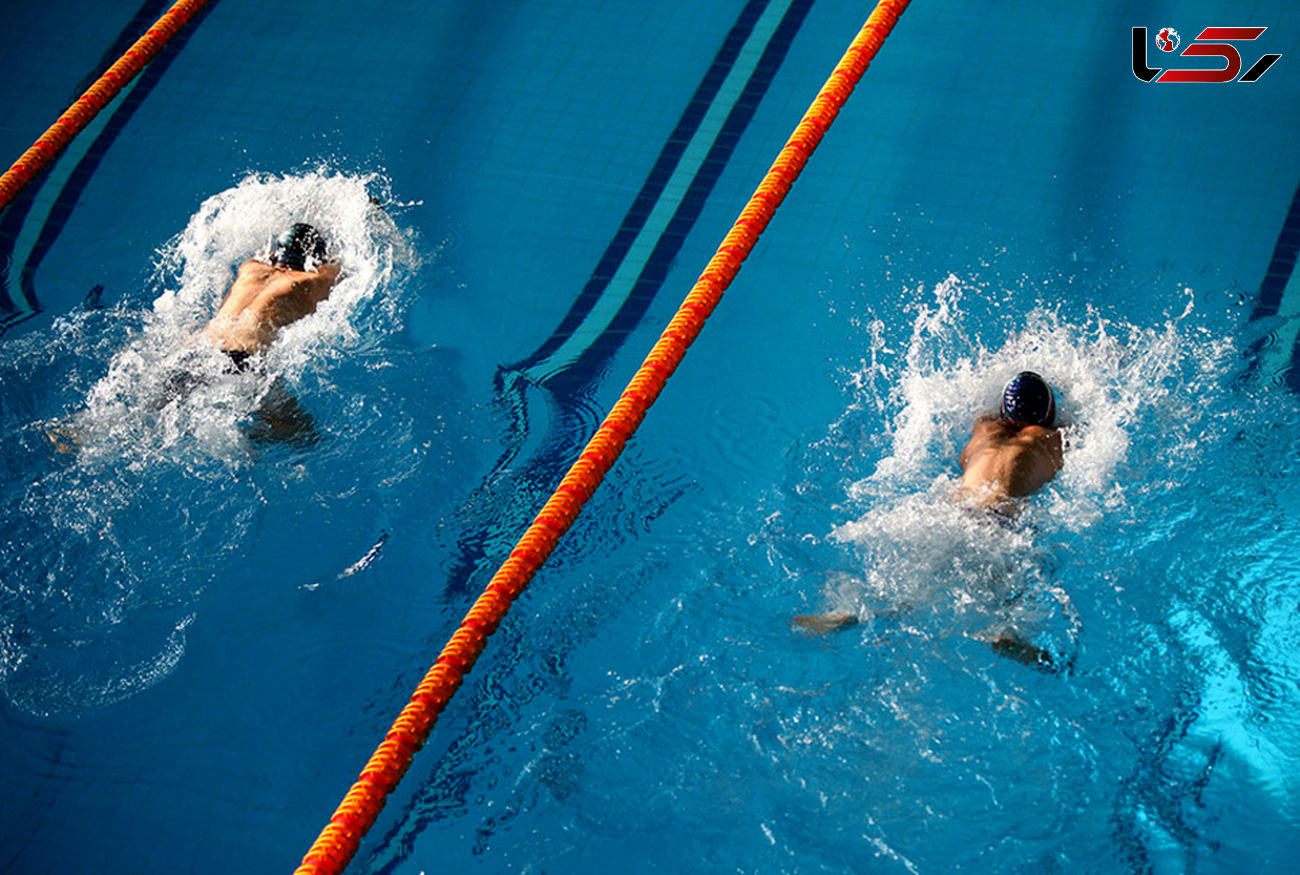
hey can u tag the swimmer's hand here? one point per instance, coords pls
(821, 624)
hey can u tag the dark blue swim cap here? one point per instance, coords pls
(1027, 398)
(296, 245)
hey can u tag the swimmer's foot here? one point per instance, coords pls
(821, 624)
(94, 299)
(1010, 643)
(64, 438)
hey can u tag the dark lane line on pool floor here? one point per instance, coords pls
(568, 365)
(1278, 354)
(32, 223)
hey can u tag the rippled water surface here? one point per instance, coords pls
(205, 633)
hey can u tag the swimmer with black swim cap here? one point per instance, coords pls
(286, 284)
(281, 285)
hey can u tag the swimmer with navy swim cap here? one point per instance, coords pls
(1010, 455)
(1015, 453)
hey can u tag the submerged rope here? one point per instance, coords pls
(339, 841)
(97, 96)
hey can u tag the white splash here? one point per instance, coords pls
(1115, 383)
(114, 537)
(1128, 397)
(134, 408)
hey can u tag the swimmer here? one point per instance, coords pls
(268, 295)
(1008, 457)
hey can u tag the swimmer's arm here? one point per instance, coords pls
(322, 282)
(822, 624)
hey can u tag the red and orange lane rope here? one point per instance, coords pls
(339, 841)
(98, 96)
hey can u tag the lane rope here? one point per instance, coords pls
(339, 841)
(43, 152)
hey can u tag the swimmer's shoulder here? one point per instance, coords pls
(1041, 434)
(253, 271)
(1038, 432)
(303, 279)
(992, 431)
(986, 432)
(991, 426)
(1047, 440)
(313, 284)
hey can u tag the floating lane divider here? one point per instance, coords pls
(97, 96)
(339, 841)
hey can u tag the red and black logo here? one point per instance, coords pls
(1167, 40)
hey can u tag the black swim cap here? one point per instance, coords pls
(295, 246)
(1027, 398)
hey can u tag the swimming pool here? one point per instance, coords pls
(201, 639)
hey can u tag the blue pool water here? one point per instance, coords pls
(203, 636)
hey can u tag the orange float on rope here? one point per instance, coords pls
(97, 96)
(339, 841)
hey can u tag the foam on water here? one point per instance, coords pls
(110, 538)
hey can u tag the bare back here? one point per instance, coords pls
(1007, 460)
(264, 299)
